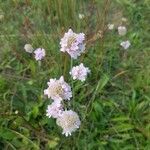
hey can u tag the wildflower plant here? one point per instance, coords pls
(58, 90)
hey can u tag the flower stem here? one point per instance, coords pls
(71, 65)
(39, 64)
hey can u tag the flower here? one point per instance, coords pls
(54, 110)
(69, 121)
(58, 90)
(124, 19)
(1, 17)
(81, 16)
(79, 72)
(28, 48)
(16, 112)
(110, 26)
(39, 53)
(72, 43)
(125, 44)
(122, 30)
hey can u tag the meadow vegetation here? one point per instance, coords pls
(113, 103)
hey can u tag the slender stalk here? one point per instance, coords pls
(65, 65)
(71, 65)
(39, 64)
(87, 108)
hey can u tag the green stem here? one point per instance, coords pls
(71, 65)
(39, 64)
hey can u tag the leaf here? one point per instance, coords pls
(123, 127)
(35, 111)
(120, 118)
(102, 83)
(5, 134)
(52, 144)
(32, 67)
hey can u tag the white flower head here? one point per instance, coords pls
(58, 90)
(110, 26)
(81, 16)
(39, 53)
(79, 72)
(69, 121)
(1, 17)
(54, 110)
(125, 44)
(122, 30)
(28, 48)
(72, 43)
(124, 19)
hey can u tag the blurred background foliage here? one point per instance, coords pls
(117, 90)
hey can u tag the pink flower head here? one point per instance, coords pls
(122, 30)
(54, 110)
(125, 44)
(28, 48)
(69, 121)
(58, 90)
(110, 26)
(72, 43)
(79, 72)
(39, 53)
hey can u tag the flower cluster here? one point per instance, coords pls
(81, 16)
(69, 121)
(122, 31)
(39, 53)
(72, 43)
(54, 110)
(125, 44)
(79, 72)
(110, 26)
(28, 48)
(58, 90)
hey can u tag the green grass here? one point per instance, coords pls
(113, 103)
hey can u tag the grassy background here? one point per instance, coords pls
(113, 103)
